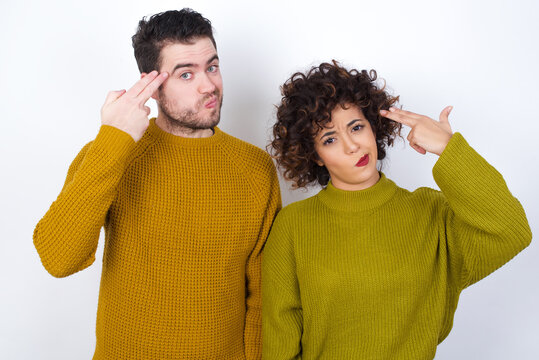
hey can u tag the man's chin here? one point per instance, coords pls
(189, 120)
(204, 124)
(213, 120)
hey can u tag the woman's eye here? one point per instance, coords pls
(186, 76)
(329, 141)
(357, 127)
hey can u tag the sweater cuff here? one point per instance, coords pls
(457, 162)
(114, 142)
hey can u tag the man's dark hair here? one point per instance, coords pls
(173, 26)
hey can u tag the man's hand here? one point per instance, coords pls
(126, 110)
(426, 134)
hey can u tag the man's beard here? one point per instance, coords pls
(188, 119)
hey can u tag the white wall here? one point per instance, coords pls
(60, 58)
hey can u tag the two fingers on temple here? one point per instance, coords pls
(142, 90)
(113, 95)
(404, 117)
(407, 118)
(145, 87)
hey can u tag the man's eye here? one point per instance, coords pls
(212, 68)
(186, 76)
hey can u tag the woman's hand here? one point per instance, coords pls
(426, 134)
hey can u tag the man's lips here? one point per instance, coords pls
(211, 103)
(363, 161)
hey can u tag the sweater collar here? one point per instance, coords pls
(157, 133)
(361, 200)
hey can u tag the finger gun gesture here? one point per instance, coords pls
(426, 134)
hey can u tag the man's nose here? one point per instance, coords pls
(206, 85)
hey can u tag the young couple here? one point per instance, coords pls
(362, 270)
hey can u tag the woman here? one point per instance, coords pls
(365, 269)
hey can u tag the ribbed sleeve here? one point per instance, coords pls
(486, 225)
(271, 196)
(283, 321)
(66, 237)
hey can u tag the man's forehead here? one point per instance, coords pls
(197, 53)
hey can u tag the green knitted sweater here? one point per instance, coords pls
(377, 273)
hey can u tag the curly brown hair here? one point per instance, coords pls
(306, 106)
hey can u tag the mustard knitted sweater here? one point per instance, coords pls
(377, 273)
(185, 222)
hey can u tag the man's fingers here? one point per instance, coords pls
(399, 116)
(113, 95)
(141, 84)
(152, 87)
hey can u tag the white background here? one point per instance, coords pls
(60, 58)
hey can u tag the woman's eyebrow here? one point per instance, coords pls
(354, 121)
(327, 134)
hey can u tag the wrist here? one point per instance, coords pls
(444, 143)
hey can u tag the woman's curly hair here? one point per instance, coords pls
(306, 106)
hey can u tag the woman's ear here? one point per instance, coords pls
(317, 160)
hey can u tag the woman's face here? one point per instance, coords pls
(347, 148)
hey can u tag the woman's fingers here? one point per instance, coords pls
(418, 148)
(409, 114)
(399, 116)
(413, 144)
(426, 134)
(444, 115)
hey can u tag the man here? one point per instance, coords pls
(186, 209)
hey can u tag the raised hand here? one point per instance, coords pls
(426, 134)
(126, 110)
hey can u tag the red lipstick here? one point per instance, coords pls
(363, 161)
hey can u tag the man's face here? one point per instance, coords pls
(192, 95)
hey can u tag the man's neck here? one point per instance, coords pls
(182, 131)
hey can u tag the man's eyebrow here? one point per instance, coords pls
(179, 66)
(214, 57)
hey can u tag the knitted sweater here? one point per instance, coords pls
(377, 273)
(185, 222)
